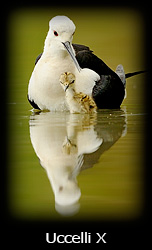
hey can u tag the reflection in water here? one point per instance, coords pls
(69, 143)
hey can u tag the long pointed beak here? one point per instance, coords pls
(70, 51)
(66, 87)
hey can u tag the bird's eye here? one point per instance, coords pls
(55, 33)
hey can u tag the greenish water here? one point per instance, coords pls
(91, 164)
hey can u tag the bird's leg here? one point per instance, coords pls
(68, 147)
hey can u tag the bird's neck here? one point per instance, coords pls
(53, 49)
(70, 92)
(56, 53)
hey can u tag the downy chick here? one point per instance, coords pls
(77, 102)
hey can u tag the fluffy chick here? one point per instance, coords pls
(77, 102)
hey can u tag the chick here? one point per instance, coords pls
(77, 102)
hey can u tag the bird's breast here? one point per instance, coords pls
(44, 85)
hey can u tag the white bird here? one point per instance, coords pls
(93, 76)
(44, 88)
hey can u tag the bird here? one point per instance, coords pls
(93, 76)
(77, 102)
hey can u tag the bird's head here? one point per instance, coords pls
(62, 29)
(60, 36)
(67, 80)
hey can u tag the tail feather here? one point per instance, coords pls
(134, 73)
(121, 73)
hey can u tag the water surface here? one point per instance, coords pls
(77, 165)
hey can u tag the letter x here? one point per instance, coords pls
(101, 238)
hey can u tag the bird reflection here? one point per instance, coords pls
(67, 143)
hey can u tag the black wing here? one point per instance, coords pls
(109, 90)
(33, 104)
(87, 59)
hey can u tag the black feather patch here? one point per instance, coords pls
(33, 104)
